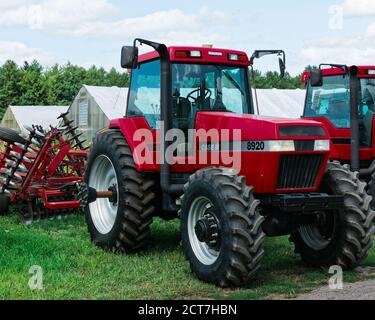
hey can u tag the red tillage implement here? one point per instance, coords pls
(40, 170)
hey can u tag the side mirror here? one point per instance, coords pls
(129, 57)
(282, 68)
(261, 53)
(316, 78)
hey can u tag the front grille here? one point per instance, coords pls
(299, 171)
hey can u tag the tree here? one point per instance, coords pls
(310, 68)
(51, 78)
(271, 79)
(33, 86)
(95, 76)
(115, 78)
(10, 85)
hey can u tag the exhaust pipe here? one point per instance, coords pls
(354, 118)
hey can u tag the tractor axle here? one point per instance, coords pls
(87, 195)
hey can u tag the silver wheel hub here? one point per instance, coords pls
(204, 231)
(103, 211)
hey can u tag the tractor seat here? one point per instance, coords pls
(181, 113)
(367, 124)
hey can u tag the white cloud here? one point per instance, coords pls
(157, 22)
(350, 49)
(80, 18)
(346, 50)
(370, 32)
(9, 4)
(172, 27)
(54, 15)
(344, 55)
(355, 49)
(20, 52)
(358, 8)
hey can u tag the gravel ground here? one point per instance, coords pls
(357, 291)
(364, 290)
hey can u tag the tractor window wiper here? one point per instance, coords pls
(230, 78)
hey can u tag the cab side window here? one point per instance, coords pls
(330, 101)
(144, 95)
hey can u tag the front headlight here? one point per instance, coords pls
(322, 145)
(281, 145)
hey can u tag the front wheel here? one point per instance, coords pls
(121, 223)
(221, 227)
(343, 236)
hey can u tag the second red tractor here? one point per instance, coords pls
(343, 99)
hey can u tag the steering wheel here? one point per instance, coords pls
(207, 94)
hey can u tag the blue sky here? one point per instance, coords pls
(92, 32)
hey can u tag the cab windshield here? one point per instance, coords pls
(332, 101)
(211, 87)
(195, 87)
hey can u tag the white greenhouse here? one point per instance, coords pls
(16, 117)
(94, 107)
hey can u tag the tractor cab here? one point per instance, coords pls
(329, 98)
(202, 79)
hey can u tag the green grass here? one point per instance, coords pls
(75, 269)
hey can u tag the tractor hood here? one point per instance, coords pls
(254, 127)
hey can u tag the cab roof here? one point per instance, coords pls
(363, 72)
(201, 55)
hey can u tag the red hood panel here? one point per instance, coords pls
(253, 127)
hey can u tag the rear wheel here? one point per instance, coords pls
(121, 223)
(343, 236)
(371, 190)
(221, 227)
(11, 136)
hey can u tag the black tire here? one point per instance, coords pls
(4, 205)
(241, 237)
(11, 136)
(371, 190)
(130, 232)
(350, 234)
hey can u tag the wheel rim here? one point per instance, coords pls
(202, 208)
(319, 236)
(103, 176)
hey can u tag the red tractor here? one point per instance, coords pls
(280, 180)
(343, 98)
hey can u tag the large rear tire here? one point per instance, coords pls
(11, 136)
(344, 236)
(120, 224)
(221, 227)
(371, 190)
